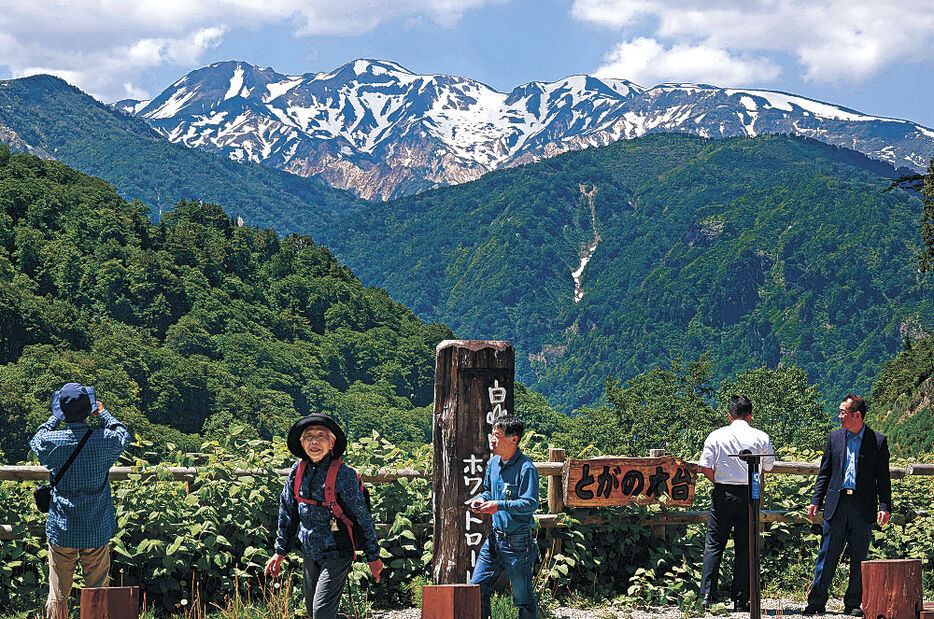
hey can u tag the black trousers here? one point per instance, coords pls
(728, 513)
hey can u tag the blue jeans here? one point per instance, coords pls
(513, 553)
(847, 526)
(324, 583)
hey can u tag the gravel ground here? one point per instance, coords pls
(770, 608)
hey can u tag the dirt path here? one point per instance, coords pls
(770, 608)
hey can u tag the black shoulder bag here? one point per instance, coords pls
(43, 492)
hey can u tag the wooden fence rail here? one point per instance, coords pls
(545, 469)
(552, 469)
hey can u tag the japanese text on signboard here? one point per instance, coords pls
(599, 482)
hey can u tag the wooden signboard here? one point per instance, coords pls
(602, 482)
(473, 386)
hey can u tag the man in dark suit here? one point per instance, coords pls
(854, 481)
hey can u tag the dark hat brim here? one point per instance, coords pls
(295, 435)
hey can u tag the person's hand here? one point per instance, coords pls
(100, 409)
(487, 507)
(274, 565)
(812, 511)
(883, 518)
(375, 568)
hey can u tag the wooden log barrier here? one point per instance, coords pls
(927, 611)
(451, 602)
(892, 588)
(110, 603)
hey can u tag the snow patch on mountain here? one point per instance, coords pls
(381, 130)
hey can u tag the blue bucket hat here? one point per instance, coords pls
(74, 402)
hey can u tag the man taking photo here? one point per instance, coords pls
(81, 517)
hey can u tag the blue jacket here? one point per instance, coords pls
(312, 523)
(514, 487)
(81, 514)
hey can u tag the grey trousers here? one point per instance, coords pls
(324, 583)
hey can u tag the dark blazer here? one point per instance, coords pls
(872, 474)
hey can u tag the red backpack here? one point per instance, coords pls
(348, 530)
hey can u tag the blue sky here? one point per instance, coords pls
(872, 56)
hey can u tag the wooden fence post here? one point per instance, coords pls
(473, 386)
(555, 487)
(555, 495)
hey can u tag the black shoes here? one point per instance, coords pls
(812, 609)
(856, 611)
(739, 606)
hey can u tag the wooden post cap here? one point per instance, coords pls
(451, 602)
(110, 603)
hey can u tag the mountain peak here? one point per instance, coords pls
(376, 127)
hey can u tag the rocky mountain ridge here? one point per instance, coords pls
(377, 129)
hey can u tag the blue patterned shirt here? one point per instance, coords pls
(853, 443)
(81, 514)
(311, 524)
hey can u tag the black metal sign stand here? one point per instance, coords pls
(752, 463)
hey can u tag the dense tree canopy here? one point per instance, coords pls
(194, 323)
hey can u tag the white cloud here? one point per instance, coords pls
(101, 46)
(838, 41)
(646, 61)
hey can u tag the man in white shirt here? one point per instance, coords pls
(729, 511)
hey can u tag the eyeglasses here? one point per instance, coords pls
(315, 437)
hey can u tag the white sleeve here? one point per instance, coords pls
(768, 463)
(708, 457)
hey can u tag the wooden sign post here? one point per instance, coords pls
(473, 386)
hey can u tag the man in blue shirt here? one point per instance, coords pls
(81, 517)
(854, 477)
(510, 495)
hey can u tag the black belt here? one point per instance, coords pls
(848, 491)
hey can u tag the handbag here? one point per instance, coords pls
(43, 492)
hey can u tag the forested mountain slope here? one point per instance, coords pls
(193, 324)
(762, 251)
(45, 116)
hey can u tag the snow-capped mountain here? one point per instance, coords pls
(380, 130)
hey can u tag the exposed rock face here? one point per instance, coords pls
(381, 131)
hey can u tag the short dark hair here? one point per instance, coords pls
(740, 407)
(858, 403)
(511, 426)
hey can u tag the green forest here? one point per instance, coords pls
(191, 324)
(206, 336)
(48, 117)
(765, 251)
